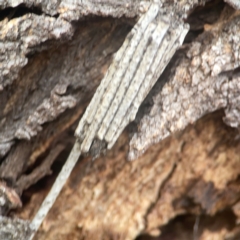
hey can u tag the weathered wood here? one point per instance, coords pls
(50, 71)
(53, 84)
(194, 173)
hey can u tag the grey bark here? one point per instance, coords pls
(206, 78)
(50, 68)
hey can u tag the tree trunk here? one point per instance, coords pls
(184, 182)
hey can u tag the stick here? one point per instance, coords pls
(56, 188)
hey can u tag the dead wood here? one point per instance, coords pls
(54, 55)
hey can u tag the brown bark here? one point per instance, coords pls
(193, 174)
(184, 187)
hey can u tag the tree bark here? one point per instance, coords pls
(184, 183)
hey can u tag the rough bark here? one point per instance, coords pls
(53, 56)
(206, 79)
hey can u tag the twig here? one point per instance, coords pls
(45, 168)
(195, 228)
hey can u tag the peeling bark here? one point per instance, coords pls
(53, 57)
